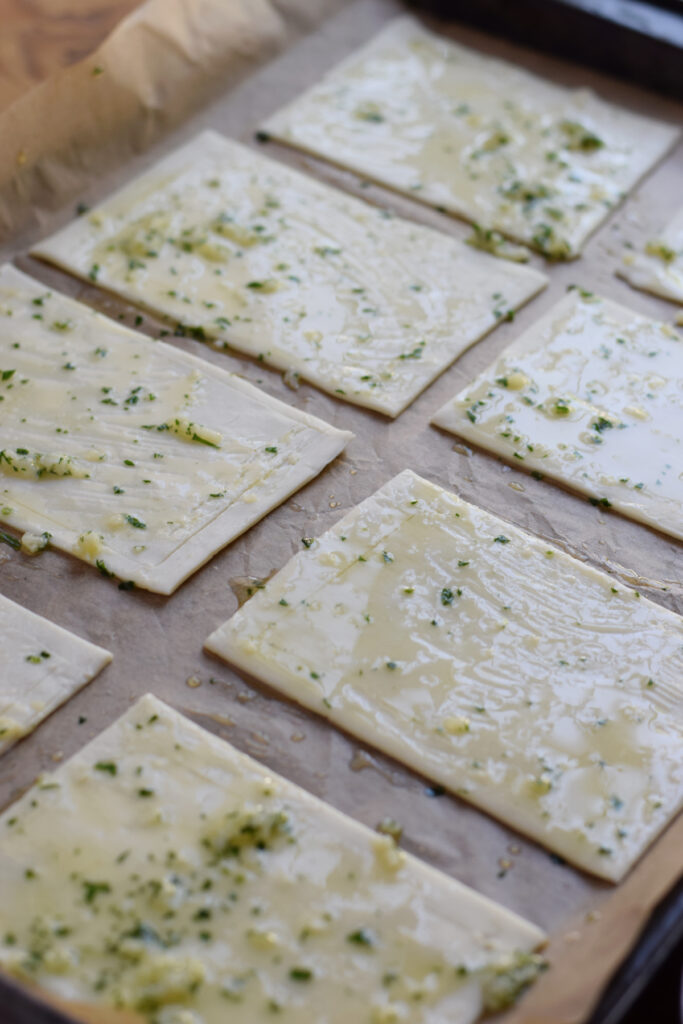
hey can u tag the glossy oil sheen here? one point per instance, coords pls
(162, 871)
(528, 683)
(592, 395)
(247, 253)
(41, 666)
(479, 137)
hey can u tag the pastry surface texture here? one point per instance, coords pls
(476, 136)
(589, 395)
(528, 683)
(246, 253)
(658, 268)
(129, 453)
(161, 870)
(41, 666)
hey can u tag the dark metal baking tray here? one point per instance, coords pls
(637, 40)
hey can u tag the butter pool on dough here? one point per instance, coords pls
(589, 395)
(129, 453)
(247, 253)
(161, 870)
(658, 267)
(479, 137)
(519, 678)
(41, 666)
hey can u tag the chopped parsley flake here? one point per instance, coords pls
(137, 523)
(361, 937)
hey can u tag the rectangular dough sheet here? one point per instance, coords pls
(247, 253)
(658, 268)
(479, 137)
(524, 681)
(162, 871)
(129, 453)
(41, 666)
(589, 395)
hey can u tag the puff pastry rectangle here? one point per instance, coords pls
(129, 453)
(162, 871)
(658, 268)
(519, 678)
(589, 395)
(477, 136)
(244, 252)
(41, 666)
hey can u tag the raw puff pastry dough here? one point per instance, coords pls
(248, 253)
(41, 666)
(659, 267)
(129, 453)
(519, 678)
(207, 889)
(590, 395)
(479, 137)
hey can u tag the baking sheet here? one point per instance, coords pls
(157, 642)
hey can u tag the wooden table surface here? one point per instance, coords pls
(38, 37)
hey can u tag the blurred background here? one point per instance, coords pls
(640, 40)
(38, 37)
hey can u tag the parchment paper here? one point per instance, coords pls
(157, 642)
(158, 65)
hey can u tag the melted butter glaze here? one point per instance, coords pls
(479, 137)
(509, 672)
(591, 395)
(160, 870)
(247, 253)
(126, 450)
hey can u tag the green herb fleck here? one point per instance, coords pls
(93, 889)
(137, 523)
(300, 974)
(361, 937)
